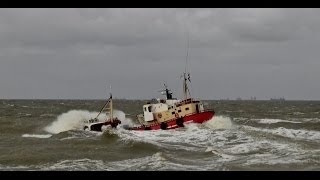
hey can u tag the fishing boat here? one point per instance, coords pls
(168, 113)
(171, 113)
(95, 124)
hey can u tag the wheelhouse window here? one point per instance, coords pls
(149, 108)
(187, 109)
(173, 112)
(179, 111)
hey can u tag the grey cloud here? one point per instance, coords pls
(74, 53)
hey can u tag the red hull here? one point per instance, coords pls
(176, 123)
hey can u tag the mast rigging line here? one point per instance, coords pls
(103, 107)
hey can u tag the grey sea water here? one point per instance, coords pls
(244, 135)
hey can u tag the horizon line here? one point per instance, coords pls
(151, 99)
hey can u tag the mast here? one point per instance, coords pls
(111, 106)
(109, 102)
(185, 85)
(103, 108)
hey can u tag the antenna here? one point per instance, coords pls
(186, 26)
(186, 76)
(110, 92)
(111, 105)
(185, 69)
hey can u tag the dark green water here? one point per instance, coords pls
(244, 135)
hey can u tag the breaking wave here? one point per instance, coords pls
(74, 120)
(219, 122)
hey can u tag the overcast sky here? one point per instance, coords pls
(77, 53)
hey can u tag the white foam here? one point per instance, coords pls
(311, 120)
(219, 122)
(299, 134)
(78, 164)
(290, 133)
(272, 121)
(191, 137)
(272, 159)
(24, 114)
(15, 168)
(47, 115)
(159, 162)
(70, 120)
(37, 135)
(156, 162)
(220, 153)
(244, 148)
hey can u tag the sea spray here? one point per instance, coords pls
(219, 122)
(74, 120)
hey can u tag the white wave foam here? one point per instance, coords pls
(37, 135)
(15, 168)
(77, 165)
(161, 162)
(192, 137)
(299, 134)
(47, 115)
(24, 114)
(311, 120)
(155, 162)
(290, 133)
(220, 154)
(272, 159)
(272, 121)
(219, 122)
(74, 120)
(243, 148)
